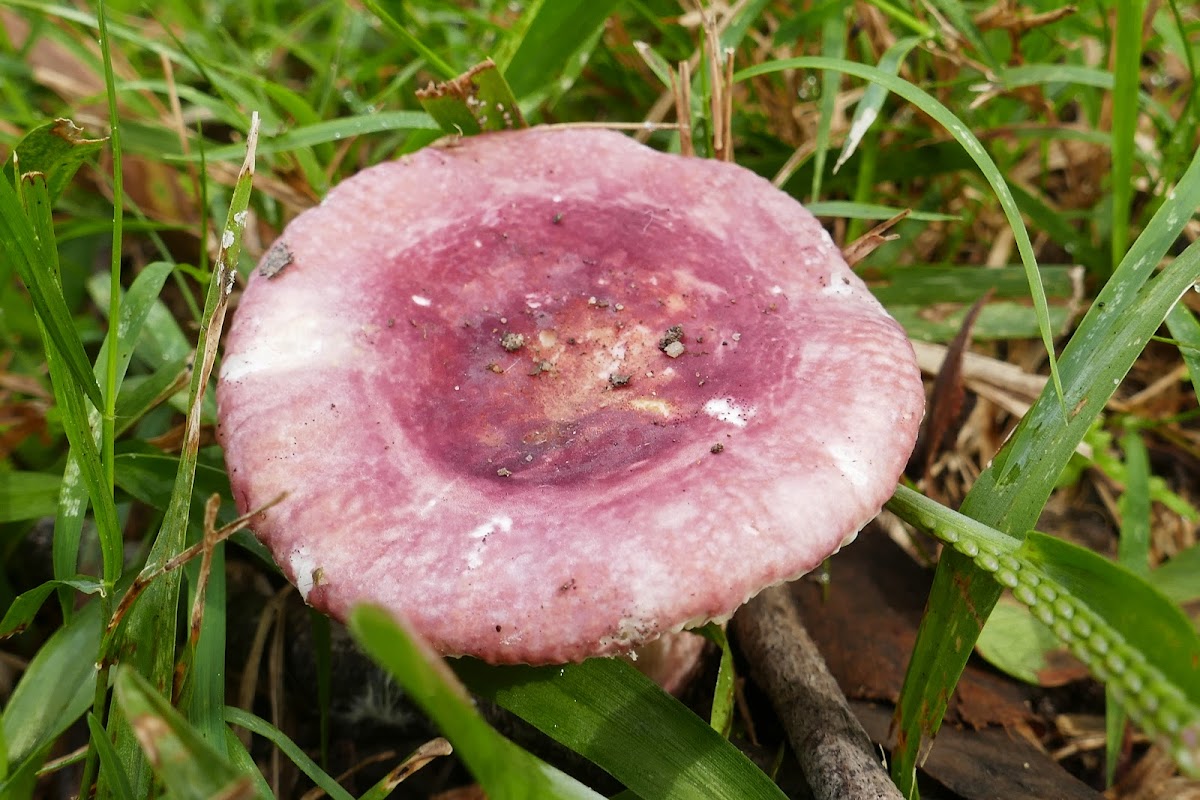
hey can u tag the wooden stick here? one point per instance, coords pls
(837, 757)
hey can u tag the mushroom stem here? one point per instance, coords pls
(834, 751)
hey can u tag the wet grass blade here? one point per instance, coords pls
(866, 111)
(72, 506)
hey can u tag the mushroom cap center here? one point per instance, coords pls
(551, 354)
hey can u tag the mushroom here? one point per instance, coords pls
(550, 394)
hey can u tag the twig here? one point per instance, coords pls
(837, 757)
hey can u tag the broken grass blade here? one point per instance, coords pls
(56, 149)
(417, 760)
(476, 101)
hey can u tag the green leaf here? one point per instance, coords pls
(55, 690)
(1179, 578)
(1017, 643)
(27, 495)
(505, 771)
(25, 607)
(56, 149)
(610, 713)
(1135, 612)
(186, 764)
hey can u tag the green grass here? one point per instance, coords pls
(1023, 153)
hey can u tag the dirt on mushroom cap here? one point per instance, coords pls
(518, 504)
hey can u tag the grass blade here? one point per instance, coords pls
(611, 714)
(54, 691)
(34, 264)
(186, 764)
(1010, 494)
(149, 634)
(505, 771)
(1126, 632)
(255, 724)
(833, 45)
(866, 111)
(963, 135)
(1127, 80)
(547, 37)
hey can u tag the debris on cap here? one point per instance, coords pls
(462, 382)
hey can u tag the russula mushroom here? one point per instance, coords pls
(549, 394)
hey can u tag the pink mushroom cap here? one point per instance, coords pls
(550, 394)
